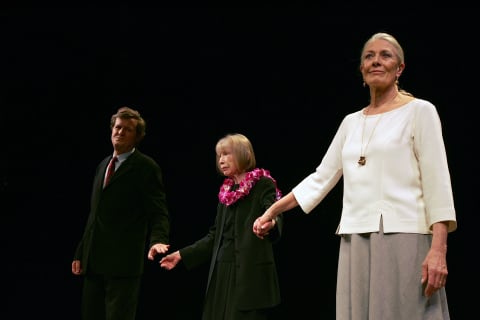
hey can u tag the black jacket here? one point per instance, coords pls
(256, 273)
(127, 216)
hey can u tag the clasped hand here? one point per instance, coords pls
(262, 226)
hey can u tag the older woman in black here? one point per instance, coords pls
(242, 280)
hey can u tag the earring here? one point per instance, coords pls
(364, 84)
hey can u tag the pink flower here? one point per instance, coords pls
(228, 197)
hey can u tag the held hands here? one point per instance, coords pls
(434, 271)
(158, 248)
(170, 261)
(263, 225)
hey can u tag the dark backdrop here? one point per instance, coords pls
(285, 77)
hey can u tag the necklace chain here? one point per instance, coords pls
(363, 160)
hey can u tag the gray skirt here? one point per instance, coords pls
(379, 278)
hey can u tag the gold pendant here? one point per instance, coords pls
(362, 161)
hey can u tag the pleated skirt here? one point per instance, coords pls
(379, 278)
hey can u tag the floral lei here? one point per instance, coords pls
(228, 197)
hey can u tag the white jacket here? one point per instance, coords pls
(405, 180)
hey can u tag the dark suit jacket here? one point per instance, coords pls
(256, 273)
(125, 217)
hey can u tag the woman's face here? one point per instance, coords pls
(380, 67)
(226, 162)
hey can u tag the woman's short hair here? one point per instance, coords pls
(241, 148)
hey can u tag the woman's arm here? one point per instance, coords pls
(265, 222)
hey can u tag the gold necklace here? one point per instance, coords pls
(363, 160)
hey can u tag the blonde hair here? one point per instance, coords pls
(390, 39)
(241, 148)
(398, 50)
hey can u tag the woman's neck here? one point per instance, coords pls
(239, 177)
(385, 101)
(380, 99)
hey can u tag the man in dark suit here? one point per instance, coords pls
(128, 212)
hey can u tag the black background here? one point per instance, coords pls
(283, 76)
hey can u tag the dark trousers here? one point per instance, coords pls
(110, 298)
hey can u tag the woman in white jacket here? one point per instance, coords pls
(398, 203)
